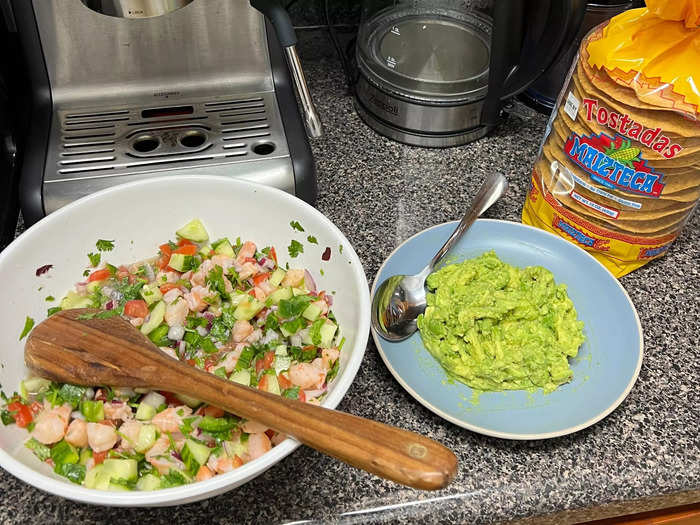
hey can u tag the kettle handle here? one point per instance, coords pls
(522, 51)
(279, 17)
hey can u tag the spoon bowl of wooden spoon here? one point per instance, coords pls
(79, 347)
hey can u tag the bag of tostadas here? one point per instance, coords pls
(618, 172)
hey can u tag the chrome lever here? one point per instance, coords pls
(311, 119)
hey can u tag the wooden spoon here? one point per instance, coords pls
(71, 346)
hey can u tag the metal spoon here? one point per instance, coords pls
(400, 299)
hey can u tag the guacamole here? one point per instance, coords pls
(497, 327)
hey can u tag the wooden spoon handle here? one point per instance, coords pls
(95, 352)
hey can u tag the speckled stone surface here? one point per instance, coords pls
(379, 193)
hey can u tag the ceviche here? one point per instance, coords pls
(226, 307)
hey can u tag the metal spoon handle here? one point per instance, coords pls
(491, 190)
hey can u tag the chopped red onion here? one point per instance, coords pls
(109, 305)
(309, 281)
(329, 299)
(43, 269)
(266, 263)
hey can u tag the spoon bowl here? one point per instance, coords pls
(400, 299)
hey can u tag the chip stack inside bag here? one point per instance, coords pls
(619, 169)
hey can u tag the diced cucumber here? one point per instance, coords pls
(188, 400)
(306, 338)
(280, 295)
(92, 410)
(145, 412)
(205, 250)
(193, 231)
(126, 469)
(148, 482)
(235, 448)
(73, 300)
(299, 291)
(273, 386)
(277, 276)
(282, 362)
(180, 262)
(85, 455)
(154, 399)
(281, 350)
(312, 312)
(241, 376)
(97, 478)
(150, 293)
(147, 437)
(327, 333)
(223, 247)
(287, 333)
(156, 317)
(33, 386)
(117, 487)
(246, 310)
(194, 454)
(92, 286)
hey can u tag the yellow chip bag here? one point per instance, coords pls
(618, 172)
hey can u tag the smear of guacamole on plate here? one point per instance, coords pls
(497, 327)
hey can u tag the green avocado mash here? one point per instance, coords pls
(497, 327)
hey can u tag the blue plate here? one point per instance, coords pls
(605, 369)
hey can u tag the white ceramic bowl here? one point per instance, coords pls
(139, 216)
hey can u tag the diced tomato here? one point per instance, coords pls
(284, 382)
(269, 433)
(302, 396)
(273, 254)
(36, 407)
(265, 362)
(170, 398)
(264, 381)
(185, 242)
(99, 457)
(21, 412)
(99, 275)
(190, 362)
(213, 411)
(211, 361)
(188, 249)
(165, 249)
(136, 308)
(167, 287)
(257, 279)
(252, 292)
(237, 461)
(250, 260)
(165, 253)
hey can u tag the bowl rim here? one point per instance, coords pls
(218, 484)
(485, 431)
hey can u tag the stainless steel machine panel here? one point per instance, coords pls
(205, 47)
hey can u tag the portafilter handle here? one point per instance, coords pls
(280, 20)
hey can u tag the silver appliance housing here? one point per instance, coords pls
(201, 89)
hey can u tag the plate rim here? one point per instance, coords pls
(378, 341)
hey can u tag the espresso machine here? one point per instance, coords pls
(127, 89)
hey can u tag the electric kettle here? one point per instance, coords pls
(436, 72)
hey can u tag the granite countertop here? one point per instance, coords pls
(642, 456)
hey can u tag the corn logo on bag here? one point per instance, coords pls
(618, 172)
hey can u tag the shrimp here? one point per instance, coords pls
(329, 356)
(247, 270)
(260, 295)
(129, 433)
(118, 411)
(169, 351)
(323, 305)
(160, 458)
(176, 313)
(253, 427)
(171, 295)
(170, 419)
(77, 433)
(241, 330)
(258, 444)
(101, 437)
(255, 336)
(247, 250)
(51, 424)
(308, 375)
(293, 277)
(229, 362)
(195, 298)
(224, 261)
(224, 464)
(266, 288)
(204, 473)
(167, 277)
(136, 321)
(199, 277)
(277, 438)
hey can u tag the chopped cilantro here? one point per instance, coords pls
(291, 393)
(28, 325)
(104, 246)
(312, 239)
(295, 248)
(340, 248)
(296, 226)
(95, 258)
(40, 450)
(333, 371)
(74, 472)
(289, 308)
(174, 478)
(215, 280)
(321, 271)
(221, 372)
(49, 298)
(86, 273)
(6, 417)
